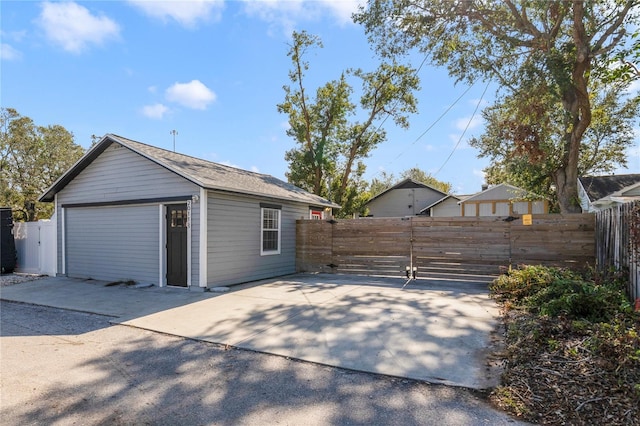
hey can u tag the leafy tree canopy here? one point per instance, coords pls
(536, 149)
(550, 59)
(31, 158)
(331, 143)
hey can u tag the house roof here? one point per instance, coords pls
(622, 196)
(597, 187)
(441, 200)
(517, 193)
(206, 174)
(407, 184)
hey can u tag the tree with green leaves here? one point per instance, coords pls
(331, 143)
(387, 180)
(536, 152)
(546, 56)
(31, 158)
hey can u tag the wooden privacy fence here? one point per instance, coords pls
(439, 247)
(618, 243)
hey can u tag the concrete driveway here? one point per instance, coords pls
(436, 331)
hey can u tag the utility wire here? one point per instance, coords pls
(434, 123)
(464, 131)
(398, 100)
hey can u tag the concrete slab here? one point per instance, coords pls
(435, 331)
(97, 297)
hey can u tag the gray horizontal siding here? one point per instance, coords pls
(403, 202)
(233, 245)
(113, 243)
(120, 174)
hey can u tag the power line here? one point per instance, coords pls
(434, 123)
(398, 100)
(464, 131)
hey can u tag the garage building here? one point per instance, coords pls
(128, 211)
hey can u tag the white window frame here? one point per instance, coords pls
(278, 212)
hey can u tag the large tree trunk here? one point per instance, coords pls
(566, 180)
(576, 102)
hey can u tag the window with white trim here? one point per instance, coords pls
(270, 231)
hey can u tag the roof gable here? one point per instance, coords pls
(597, 187)
(440, 201)
(407, 184)
(203, 173)
(498, 193)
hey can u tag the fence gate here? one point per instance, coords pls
(36, 247)
(477, 247)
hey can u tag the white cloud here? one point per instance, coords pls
(74, 28)
(480, 102)
(17, 36)
(478, 173)
(230, 164)
(186, 13)
(155, 111)
(342, 9)
(255, 169)
(193, 95)
(459, 141)
(633, 87)
(286, 14)
(8, 53)
(463, 122)
(152, 89)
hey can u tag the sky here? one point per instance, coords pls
(213, 72)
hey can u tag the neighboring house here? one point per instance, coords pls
(407, 198)
(445, 207)
(601, 192)
(502, 200)
(131, 211)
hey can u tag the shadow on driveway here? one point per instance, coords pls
(123, 375)
(435, 331)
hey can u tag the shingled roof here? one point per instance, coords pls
(407, 183)
(206, 174)
(598, 187)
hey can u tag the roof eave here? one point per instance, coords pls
(107, 140)
(274, 197)
(93, 153)
(402, 182)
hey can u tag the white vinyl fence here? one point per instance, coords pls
(36, 247)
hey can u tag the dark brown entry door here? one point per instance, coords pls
(177, 245)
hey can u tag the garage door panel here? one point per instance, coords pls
(113, 243)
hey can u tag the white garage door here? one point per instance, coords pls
(113, 243)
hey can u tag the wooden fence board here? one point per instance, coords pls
(618, 245)
(473, 245)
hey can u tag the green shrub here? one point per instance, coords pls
(578, 299)
(525, 281)
(562, 292)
